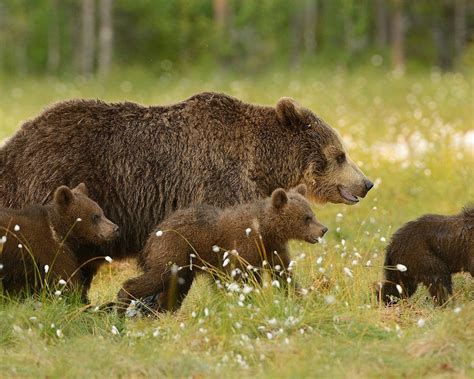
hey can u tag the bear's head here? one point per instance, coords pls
(291, 216)
(323, 161)
(79, 219)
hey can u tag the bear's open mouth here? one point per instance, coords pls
(346, 195)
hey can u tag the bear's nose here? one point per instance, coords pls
(368, 184)
(324, 230)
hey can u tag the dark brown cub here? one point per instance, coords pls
(41, 245)
(208, 236)
(429, 250)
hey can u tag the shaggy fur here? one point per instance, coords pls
(189, 239)
(143, 163)
(432, 248)
(51, 235)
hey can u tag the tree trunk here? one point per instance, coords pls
(297, 21)
(54, 42)
(381, 23)
(459, 27)
(443, 30)
(87, 37)
(105, 37)
(221, 11)
(310, 23)
(398, 35)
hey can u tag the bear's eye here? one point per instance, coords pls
(341, 158)
(95, 218)
(308, 219)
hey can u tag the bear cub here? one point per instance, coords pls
(235, 239)
(40, 244)
(428, 250)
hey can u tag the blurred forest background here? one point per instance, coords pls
(95, 36)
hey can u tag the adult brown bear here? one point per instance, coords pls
(141, 163)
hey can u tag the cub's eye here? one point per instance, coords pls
(308, 219)
(341, 158)
(95, 218)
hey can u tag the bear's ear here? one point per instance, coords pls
(289, 113)
(81, 188)
(63, 196)
(279, 198)
(301, 189)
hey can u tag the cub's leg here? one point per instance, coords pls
(441, 288)
(175, 291)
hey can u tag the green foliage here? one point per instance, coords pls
(164, 35)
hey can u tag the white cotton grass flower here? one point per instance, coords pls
(348, 272)
(215, 249)
(226, 254)
(46, 269)
(226, 262)
(20, 246)
(401, 268)
(276, 284)
(108, 259)
(1, 266)
(247, 289)
(159, 233)
(382, 239)
(233, 287)
(248, 231)
(57, 293)
(16, 228)
(420, 322)
(115, 331)
(62, 282)
(3, 239)
(399, 289)
(319, 260)
(78, 219)
(457, 310)
(59, 333)
(174, 269)
(330, 299)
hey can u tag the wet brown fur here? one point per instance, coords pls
(273, 222)
(432, 248)
(51, 235)
(142, 163)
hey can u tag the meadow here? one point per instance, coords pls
(412, 134)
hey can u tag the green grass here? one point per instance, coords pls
(410, 134)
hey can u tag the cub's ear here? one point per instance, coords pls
(81, 187)
(63, 196)
(301, 189)
(289, 113)
(279, 198)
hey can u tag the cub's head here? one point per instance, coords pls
(324, 164)
(293, 217)
(81, 218)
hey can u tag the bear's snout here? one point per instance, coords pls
(110, 231)
(368, 185)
